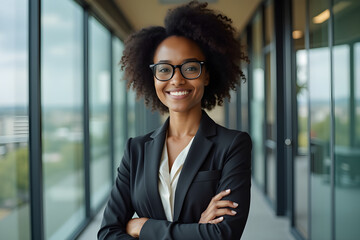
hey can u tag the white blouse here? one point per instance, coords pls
(168, 180)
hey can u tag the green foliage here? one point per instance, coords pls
(321, 130)
(14, 176)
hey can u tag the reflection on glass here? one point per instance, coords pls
(119, 93)
(257, 102)
(62, 121)
(99, 90)
(301, 117)
(320, 128)
(14, 124)
(346, 94)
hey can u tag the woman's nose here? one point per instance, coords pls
(177, 79)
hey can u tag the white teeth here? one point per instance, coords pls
(182, 93)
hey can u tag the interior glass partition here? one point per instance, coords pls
(301, 117)
(346, 92)
(244, 87)
(320, 120)
(131, 113)
(14, 121)
(101, 166)
(257, 100)
(270, 103)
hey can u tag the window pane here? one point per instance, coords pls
(62, 119)
(99, 90)
(320, 128)
(14, 126)
(346, 98)
(257, 101)
(119, 91)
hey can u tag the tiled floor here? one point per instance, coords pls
(262, 223)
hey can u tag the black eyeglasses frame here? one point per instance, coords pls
(152, 66)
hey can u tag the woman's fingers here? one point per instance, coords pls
(217, 208)
(216, 220)
(220, 195)
(225, 203)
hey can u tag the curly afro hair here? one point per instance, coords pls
(214, 35)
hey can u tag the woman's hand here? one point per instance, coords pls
(134, 226)
(217, 208)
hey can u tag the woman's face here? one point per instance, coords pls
(180, 94)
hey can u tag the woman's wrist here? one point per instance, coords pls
(134, 226)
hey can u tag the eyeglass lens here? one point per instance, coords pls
(189, 70)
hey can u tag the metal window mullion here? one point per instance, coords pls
(281, 166)
(86, 114)
(35, 141)
(112, 115)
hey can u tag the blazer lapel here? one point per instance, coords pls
(152, 154)
(196, 156)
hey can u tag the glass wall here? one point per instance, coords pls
(119, 93)
(346, 92)
(99, 91)
(14, 123)
(73, 187)
(320, 127)
(257, 100)
(62, 118)
(300, 116)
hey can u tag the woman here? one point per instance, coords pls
(189, 179)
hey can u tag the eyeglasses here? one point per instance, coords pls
(165, 71)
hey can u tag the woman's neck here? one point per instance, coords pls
(184, 124)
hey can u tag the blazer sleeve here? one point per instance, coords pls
(236, 175)
(119, 209)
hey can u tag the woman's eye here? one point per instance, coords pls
(164, 70)
(191, 69)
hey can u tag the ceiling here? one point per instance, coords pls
(144, 13)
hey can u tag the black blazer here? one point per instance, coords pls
(218, 159)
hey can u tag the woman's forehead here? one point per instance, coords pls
(177, 48)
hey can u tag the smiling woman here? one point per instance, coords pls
(189, 179)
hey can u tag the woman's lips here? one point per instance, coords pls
(178, 93)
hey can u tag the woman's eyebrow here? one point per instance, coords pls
(183, 61)
(190, 59)
(163, 61)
